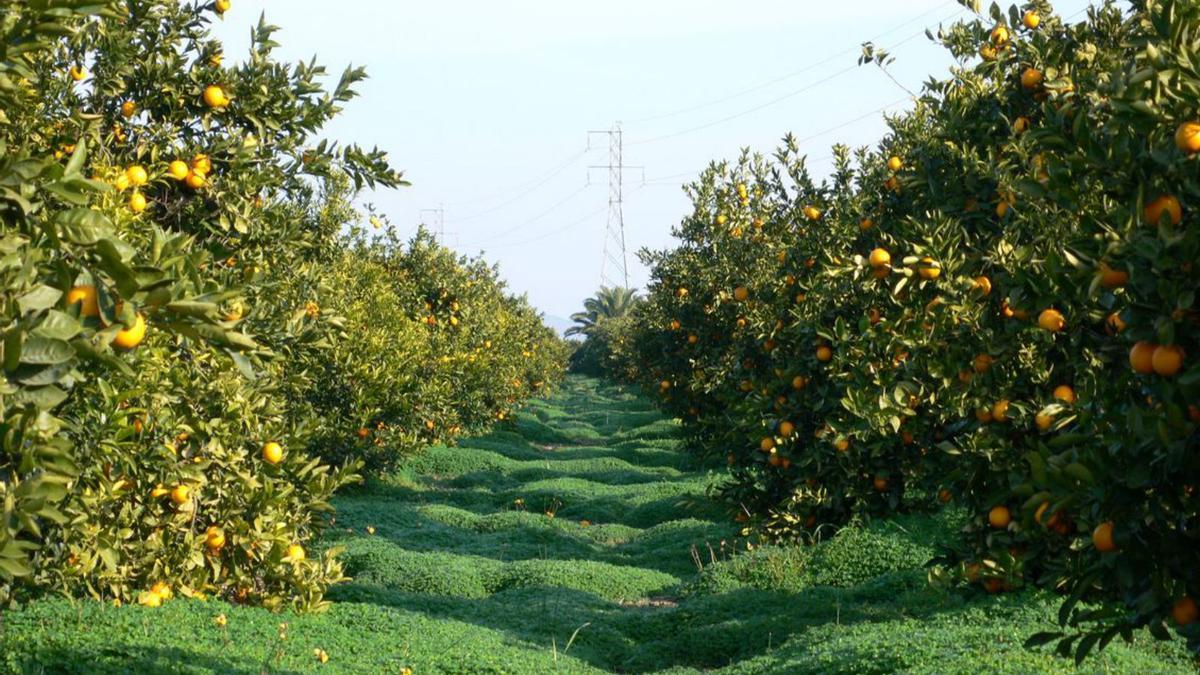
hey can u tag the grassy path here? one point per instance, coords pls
(466, 573)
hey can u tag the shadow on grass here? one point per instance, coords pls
(128, 658)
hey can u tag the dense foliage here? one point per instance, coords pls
(996, 307)
(185, 324)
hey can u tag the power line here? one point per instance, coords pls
(543, 214)
(795, 73)
(559, 169)
(553, 232)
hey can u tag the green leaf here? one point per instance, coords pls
(46, 351)
(42, 297)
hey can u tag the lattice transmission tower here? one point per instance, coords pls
(614, 265)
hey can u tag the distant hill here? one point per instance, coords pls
(558, 323)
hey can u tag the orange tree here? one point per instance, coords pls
(171, 229)
(993, 309)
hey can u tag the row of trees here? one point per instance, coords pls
(199, 347)
(995, 308)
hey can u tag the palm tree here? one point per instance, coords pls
(608, 303)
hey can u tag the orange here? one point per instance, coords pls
(983, 285)
(1184, 611)
(222, 6)
(999, 517)
(799, 382)
(1051, 320)
(894, 163)
(1032, 78)
(86, 298)
(1115, 323)
(1031, 20)
(767, 444)
(178, 169)
(881, 484)
(1167, 360)
(214, 97)
(272, 452)
(1187, 137)
(214, 538)
(202, 164)
(987, 52)
(812, 213)
(137, 202)
(741, 294)
(1043, 421)
(128, 109)
(874, 316)
(786, 428)
(1102, 537)
(1112, 278)
(824, 354)
(1021, 125)
(1065, 394)
(984, 414)
(999, 36)
(196, 180)
(1000, 411)
(880, 258)
(665, 384)
(842, 444)
(675, 325)
(181, 495)
(982, 363)
(1164, 204)
(137, 175)
(693, 339)
(78, 73)
(944, 496)
(1141, 357)
(295, 552)
(866, 224)
(892, 184)
(128, 338)
(929, 269)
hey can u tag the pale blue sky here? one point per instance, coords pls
(486, 105)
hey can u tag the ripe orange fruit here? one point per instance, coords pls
(984, 414)
(786, 428)
(812, 213)
(1102, 537)
(196, 180)
(824, 354)
(866, 224)
(881, 484)
(1031, 20)
(999, 36)
(693, 339)
(944, 496)
(799, 382)
(1065, 394)
(1032, 78)
(767, 444)
(892, 184)
(222, 6)
(987, 53)
(128, 338)
(202, 164)
(1043, 421)
(880, 258)
(741, 294)
(1112, 278)
(128, 109)
(137, 202)
(214, 538)
(1164, 204)
(1141, 357)
(214, 97)
(874, 316)
(272, 452)
(178, 169)
(181, 495)
(929, 269)
(1187, 137)
(894, 163)
(295, 552)
(1184, 611)
(1051, 320)
(1114, 323)
(1020, 125)
(87, 299)
(77, 73)
(842, 444)
(664, 385)
(999, 517)
(137, 175)
(1167, 360)
(983, 285)
(982, 363)
(1000, 411)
